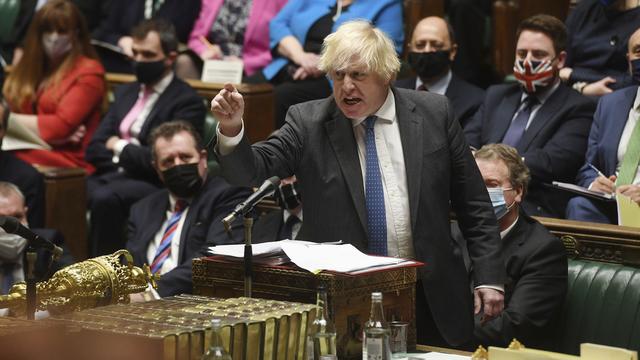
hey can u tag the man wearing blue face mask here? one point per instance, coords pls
(545, 120)
(119, 148)
(535, 260)
(614, 148)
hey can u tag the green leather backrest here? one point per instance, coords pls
(602, 306)
(8, 13)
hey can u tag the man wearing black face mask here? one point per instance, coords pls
(285, 223)
(119, 149)
(431, 52)
(169, 228)
(545, 120)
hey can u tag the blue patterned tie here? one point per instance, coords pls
(519, 124)
(164, 249)
(376, 218)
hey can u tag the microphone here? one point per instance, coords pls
(13, 226)
(267, 188)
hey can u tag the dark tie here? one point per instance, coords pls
(519, 124)
(287, 228)
(374, 195)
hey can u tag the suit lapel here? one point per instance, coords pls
(340, 133)
(162, 100)
(503, 117)
(156, 220)
(411, 133)
(545, 114)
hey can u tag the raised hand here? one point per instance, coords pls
(228, 107)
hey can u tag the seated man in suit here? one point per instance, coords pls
(545, 120)
(168, 228)
(119, 148)
(26, 177)
(535, 260)
(432, 50)
(380, 167)
(614, 148)
(286, 222)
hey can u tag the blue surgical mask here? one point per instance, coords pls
(500, 207)
(635, 71)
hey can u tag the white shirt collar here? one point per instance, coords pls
(287, 214)
(386, 112)
(543, 95)
(506, 231)
(439, 86)
(636, 103)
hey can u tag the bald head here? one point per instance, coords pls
(634, 46)
(432, 34)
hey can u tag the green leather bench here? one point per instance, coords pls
(602, 306)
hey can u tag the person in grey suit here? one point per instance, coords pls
(384, 187)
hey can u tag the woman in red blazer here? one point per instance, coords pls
(56, 90)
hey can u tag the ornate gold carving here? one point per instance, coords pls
(480, 354)
(571, 246)
(95, 282)
(515, 345)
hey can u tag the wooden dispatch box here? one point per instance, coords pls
(349, 296)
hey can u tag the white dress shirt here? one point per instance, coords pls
(634, 114)
(138, 123)
(542, 97)
(286, 214)
(439, 86)
(172, 260)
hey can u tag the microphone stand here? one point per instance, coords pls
(31, 282)
(248, 253)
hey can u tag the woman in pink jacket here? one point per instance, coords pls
(228, 30)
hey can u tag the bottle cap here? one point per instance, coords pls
(216, 323)
(376, 296)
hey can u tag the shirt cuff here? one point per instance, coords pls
(117, 150)
(226, 144)
(151, 294)
(494, 287)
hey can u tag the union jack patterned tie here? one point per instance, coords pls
(164, 250)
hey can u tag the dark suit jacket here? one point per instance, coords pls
(202, 228)
(124, 15)
(267, 227)
(29, 181)
(317, 144)
(465, 98)
(553, 146)
(608, 123)
(178, 101)
(536, 264)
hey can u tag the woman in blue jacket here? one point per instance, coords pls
(296, 36)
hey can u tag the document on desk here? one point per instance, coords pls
(628, 211)
(259, 250)
(20, 137)
(437, 356)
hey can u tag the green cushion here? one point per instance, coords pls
(602, 306)
(8, 13)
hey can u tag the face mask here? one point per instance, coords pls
(500, 207)
(635, 71)
(11, 246)
(288, 196)
(606, 3)
(148, 72)
(429, 64)
(534, 75)
(56, 45)
(183, 181)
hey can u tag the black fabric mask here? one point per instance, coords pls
(183, 181)
(429, 64)
(288, 196)
(148, 72)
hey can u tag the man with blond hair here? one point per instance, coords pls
(378, 167)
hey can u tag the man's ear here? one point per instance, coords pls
(562, 58)
(454, 52)
(519, 194)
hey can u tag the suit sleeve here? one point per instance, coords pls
(279, 155)
(563, 154)
(538, 295)
(136, 159)
(473, 208)
(587, 175)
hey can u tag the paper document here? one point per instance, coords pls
(19, 137)
(628, 211)
(222, 71)
(577, 189)
(437, 356)
(259, 250)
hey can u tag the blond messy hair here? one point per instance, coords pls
(359, 41)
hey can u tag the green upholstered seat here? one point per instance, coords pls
(602, 306)
(8, 14)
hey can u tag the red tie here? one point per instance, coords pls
(132, 115)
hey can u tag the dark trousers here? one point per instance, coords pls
(110, 198)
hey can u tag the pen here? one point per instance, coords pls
(596, 170)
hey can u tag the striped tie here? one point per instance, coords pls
(164, 250)
(374, 194)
